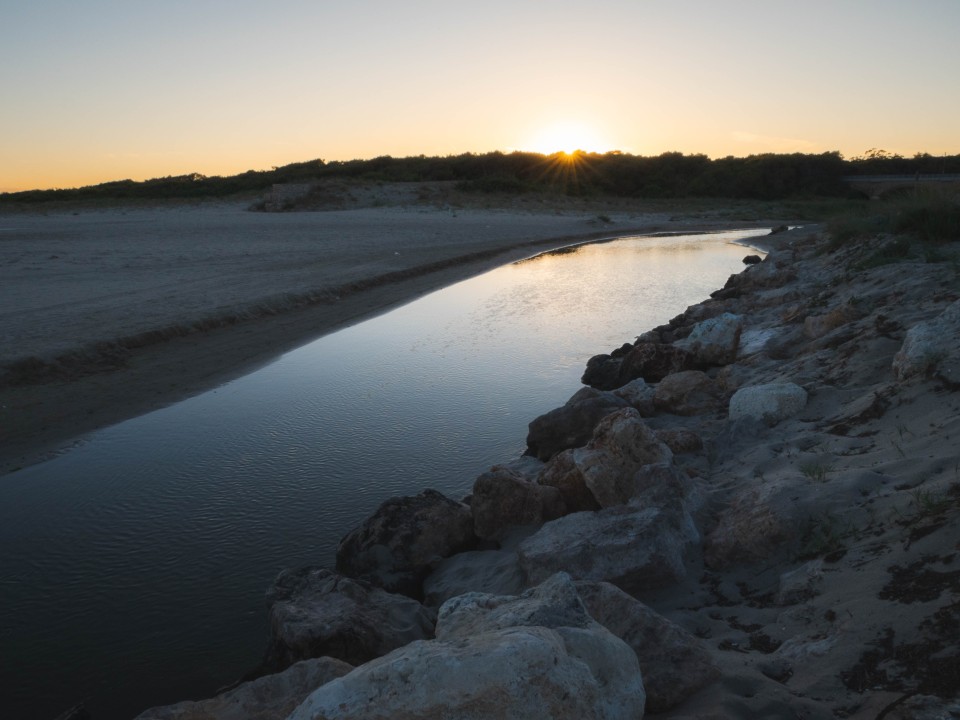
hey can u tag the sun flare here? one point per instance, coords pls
(567, 138)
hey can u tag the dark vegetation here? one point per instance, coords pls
(670, 175)
(921, 225)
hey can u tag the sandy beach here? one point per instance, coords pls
(110, 313)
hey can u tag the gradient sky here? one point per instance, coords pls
(97, 90)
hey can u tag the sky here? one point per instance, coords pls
(100, 90)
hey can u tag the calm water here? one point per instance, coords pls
(133, 567)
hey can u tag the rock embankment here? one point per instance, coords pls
(751, 511)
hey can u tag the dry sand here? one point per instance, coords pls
(109, 313)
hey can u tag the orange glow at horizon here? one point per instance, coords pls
(567, 137)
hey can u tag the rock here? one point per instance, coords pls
(654, 361)
(714, 341)
(752, 260)
(638, 395)
(315, 612)
(637, 548)
(753, 341)
(748, 530)
(504, 497)
(623, 459)
(492, 571)
(816, 326)
(571, 425)
(401, 543)
(931, 345)
(770, 403)
(801, 584)
(689, 392)
(674, 664)
(680, 441)
(552, 604)
(272, 697)
(602, 372)
(563, 474)
(539, 655)
(924, 707)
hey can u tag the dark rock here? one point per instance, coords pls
(571, 425)
(504, 497)
(563, 474)
(674, 664)
(752, 260)
(489, 571)
(653, 362)
(401, 543)
(602, 372)
(690, 392)
(623, 459)
(637, 547)
(315, 612)
(680, 441)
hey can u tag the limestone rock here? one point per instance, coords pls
(538, 655)
(639, 395)
(492, 571)
(504, 497)
(552, 604)
(816, 326)
(714, 341)
(401, 543)
(770, 403)
(673, 662)
(931, 345)
(315, 612)
(690, 392)
(563, 473)
(571, 425)
(634, 547)
(272, 697)
(680, 441)
(624, 458)
(750, 529)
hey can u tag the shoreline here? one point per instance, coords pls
(770, 535)
(78, 392)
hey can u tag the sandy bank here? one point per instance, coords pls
(107, 314)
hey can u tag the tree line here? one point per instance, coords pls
(669, 175)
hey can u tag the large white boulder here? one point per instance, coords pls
(770, 403)
(714, 341)
(537, 655)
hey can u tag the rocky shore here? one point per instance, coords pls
(751, 511)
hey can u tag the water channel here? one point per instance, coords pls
(133, 567)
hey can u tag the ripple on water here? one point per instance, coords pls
(134, 567)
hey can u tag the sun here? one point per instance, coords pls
(567, 137)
